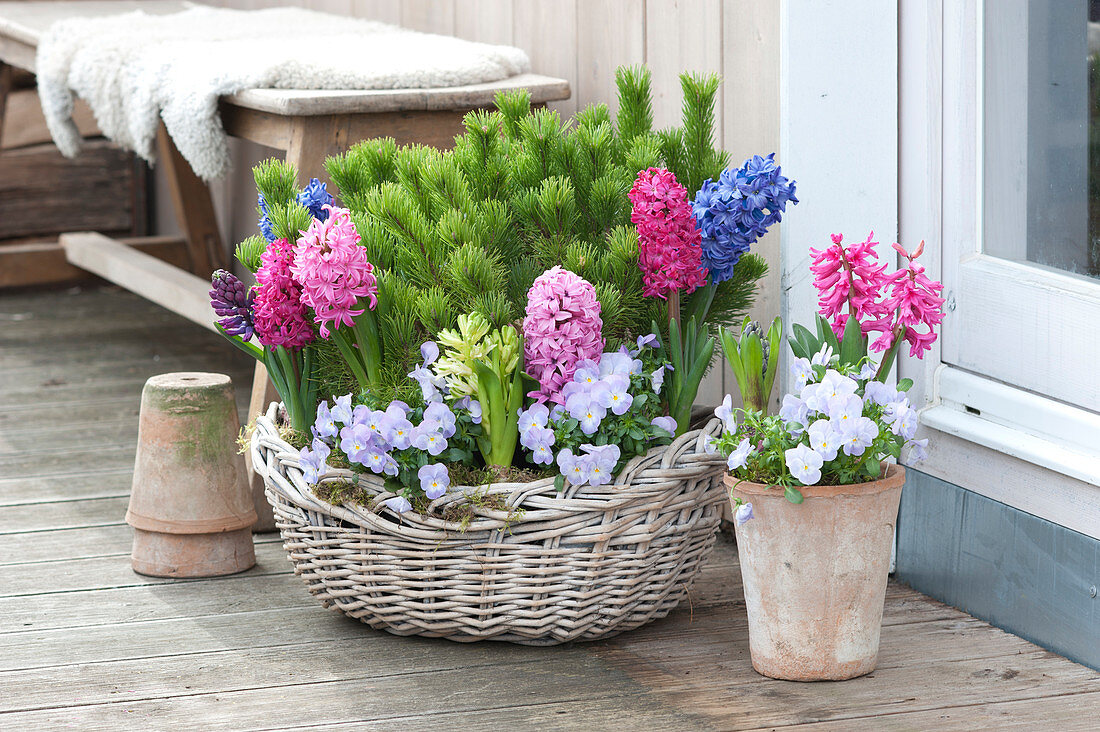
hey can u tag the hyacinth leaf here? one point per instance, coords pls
(752, 358)
(732, 350)
(792, 494)
(853, 346)
(887, 362)
(804, 344)
(250, 348)
(825, 335)
(775, 336)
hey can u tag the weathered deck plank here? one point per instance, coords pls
(86, 643)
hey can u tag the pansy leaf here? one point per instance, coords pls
(905, 385)
(792, 494)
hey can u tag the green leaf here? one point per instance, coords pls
(559, 482)
(792, 494)
(905, 385)
(853, 347)
(873, 467)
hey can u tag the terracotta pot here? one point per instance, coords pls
(815, 575)
(191, 506)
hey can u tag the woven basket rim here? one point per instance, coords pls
(529, 502)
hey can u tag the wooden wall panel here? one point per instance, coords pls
(547, 30)
(430, 16)
(486, 21)
(681, 35)
(610, 33)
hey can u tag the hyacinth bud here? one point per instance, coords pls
(754, 328)
(232, 301)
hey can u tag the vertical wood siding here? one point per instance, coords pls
(584, 41)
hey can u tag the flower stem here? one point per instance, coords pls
(347, 350)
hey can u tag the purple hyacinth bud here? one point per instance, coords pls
(232, 301)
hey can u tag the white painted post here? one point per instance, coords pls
(838, 116)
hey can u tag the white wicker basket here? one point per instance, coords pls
(578, 564)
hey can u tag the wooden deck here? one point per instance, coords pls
(85, 643)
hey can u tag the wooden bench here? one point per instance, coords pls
(308, 125)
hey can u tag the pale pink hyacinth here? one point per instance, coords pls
(848, 280)
(279, 315)
(670, 254)
(562, 328)
(917, 301)
(333, 270)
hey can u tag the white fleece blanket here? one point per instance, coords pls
(136, 69)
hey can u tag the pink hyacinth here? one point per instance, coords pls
(669, 251)
(279, 315)
(849, 280)
(562, 328)
(917, 301)
(333, 270)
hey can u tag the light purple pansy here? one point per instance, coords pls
(429, 351)
(535, 416)
(724, 412)
(429, 440)
(341, 410)
(618, 392)
(398, 504)
(740, 455)
(859, 435)
(573, 467)
(355, 441)
(601, 460)
(804, 464)
(666, 423)
(434, 480)
(824, 439)
(743, 514)
(312, 465)
(325, 426)
(438, 416)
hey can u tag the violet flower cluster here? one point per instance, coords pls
(608, 413)
(409, 445)
(734, 212)
(838, 427)
(232, 302)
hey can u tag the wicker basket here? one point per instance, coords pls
(579, 564)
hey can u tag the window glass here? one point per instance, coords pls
(1041, 114)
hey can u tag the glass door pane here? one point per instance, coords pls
(1041, 78)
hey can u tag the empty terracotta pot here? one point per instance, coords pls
(191, 506)
(815, 575)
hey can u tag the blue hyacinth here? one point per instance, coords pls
(737, 210)
(314, 196)
(265, 218)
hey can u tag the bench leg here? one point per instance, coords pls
(193, 207)
(263, 393)
(6, 73)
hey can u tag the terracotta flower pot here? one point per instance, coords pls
(815, 576)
